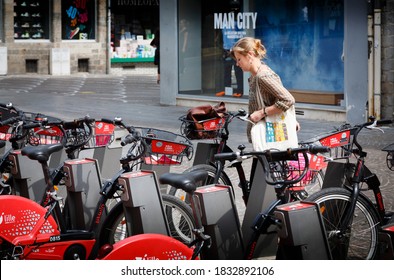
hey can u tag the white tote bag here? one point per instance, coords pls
(275, 131)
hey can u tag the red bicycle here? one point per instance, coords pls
(32, 231)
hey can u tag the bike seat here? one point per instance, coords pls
(41, 153)
(184, 181)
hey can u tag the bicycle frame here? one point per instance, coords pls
(339, 206)
(362, 174)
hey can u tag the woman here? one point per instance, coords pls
(248, 53)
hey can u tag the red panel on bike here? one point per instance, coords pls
(211, 189)
(136, 174)
(103, 133)
(169, 148)
(45, 136)
(150, 247)
(213, 124)
(4, 132)
(336, 140)
(20, 217)
(295, 206)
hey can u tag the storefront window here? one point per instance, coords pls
(304, 41)
(133, 25)
(31, 19)
(78, 19)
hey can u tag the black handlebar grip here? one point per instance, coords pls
(9, 121)
(54, 123)
(318, 149)
(225, 156)
(31, 125)
(128, 140)
(381, 122)
(107, 121)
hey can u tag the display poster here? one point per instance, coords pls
(78, 19)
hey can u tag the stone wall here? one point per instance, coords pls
(94, 51)
(387, 88)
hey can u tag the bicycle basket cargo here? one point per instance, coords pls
(340, 142)
(165, 147)
(203, 122)
(102, 134)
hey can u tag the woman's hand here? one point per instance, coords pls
(257, 116)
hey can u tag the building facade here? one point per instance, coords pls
(335, 56)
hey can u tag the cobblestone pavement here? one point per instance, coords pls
(136, 99)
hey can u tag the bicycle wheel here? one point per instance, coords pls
(360, 240)
(179, 217)
(223, 180)
(316, 183)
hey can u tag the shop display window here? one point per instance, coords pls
(304, 42)
(31, 19)
(133, 25)
(78, 19)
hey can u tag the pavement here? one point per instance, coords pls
(136, 99)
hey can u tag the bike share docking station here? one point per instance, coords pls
(141, 198)
(83, 182)
(28, 178)
(301, 231)
(142, 203)
(219, 217)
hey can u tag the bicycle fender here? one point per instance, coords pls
(149, 246)
(22, 221)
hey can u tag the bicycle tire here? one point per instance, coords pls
(179, 217)
(316, 184)
(361, 239)
(223, 180)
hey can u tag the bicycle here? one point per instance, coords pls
(155, 147)
(354, 224)
(47, 226)
(145, 145)
(278, 173)
(218, 130)
(19, 131)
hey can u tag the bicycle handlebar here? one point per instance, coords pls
(130, 138)
(11, 120)
(274, 154)
(370, 125)
(267, 156)
(73, 132)
(78, 123)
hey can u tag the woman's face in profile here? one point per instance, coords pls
(242, 61)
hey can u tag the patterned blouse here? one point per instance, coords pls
(272, 91)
